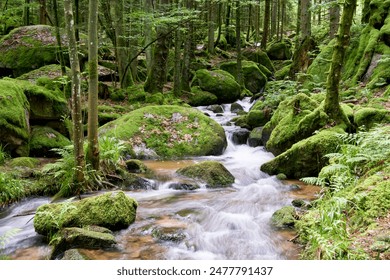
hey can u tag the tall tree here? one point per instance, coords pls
(210, 26)
(42, 12)
(332, 105)
(78, 135)
(334, 18)
(188, 52)
(26, 12)
(267, 10)
(58, 38)
(93, 141)
(240, 75)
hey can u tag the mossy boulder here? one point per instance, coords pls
(200, 97)
(255, 136)
(295, 119)
(284, 217)
(169, 131)
(14, 118)
(218, 82)
(280, 50)
(254, 79)
(260, 57)
(305, 158)
(111, 210)
(23, 162)
(283, 73)
(136, 166)
(368, 117)
(74, 237)
(257, 118)
(212, 173)
(44, 139)
(27, 48)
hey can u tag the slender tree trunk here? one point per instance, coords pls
(148, 4)
(240, 75)
(334, 19)
(77, 18)
(42, 12)
(93, 140)
(274, 13)
(248, 33)
(305, 19)
(257, 22)
(283, 20)
(78, 135)
(188, 51)
(178, 60)
(332, 105)
(210, 26)
(125, 78)
(220, 7)
(267, 9)
(26, 12)
(58, 38)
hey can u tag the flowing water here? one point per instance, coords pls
(231, 223)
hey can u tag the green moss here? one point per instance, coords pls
(305, 158)
(368, 117)
(213, 173)
(257, 118)
(280, 50)
(111, 210)
(260, 57)
(44, 139)
(284, 217)
(171, 131)
(14, 126)
(201, 98)
(23, 162)
(136, 166)
(218, 82)
(136, 93)
(283, 73)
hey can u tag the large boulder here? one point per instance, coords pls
(305, 158)
(255, 80)
(199, 97)
(258, 56)
(212, 173)
(168, 132)
(44, 139)
(280, 50)
(14, 118)
(218, 82)
(111, 210)
(27, 48)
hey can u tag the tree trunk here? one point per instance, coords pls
(125, 78)
(305, 19)
(267, 9)
(187, 53)
(26, 13)
(274, 14)
(332, 105)
(240, 75)
(220, 7)
(210, 26)
(334, 19)
(178, 60)
(93, 141)
(248, 32)
(42, 12)
(148, 6)
(77, 18)
(58, 38)
(78, 135)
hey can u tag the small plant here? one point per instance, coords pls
(3, 155)
(11, 189)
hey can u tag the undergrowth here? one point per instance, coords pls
(355, 191)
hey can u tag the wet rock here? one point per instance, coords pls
(300, 203)
(215, 108)
(111, 210)
(136, 166)
(240, 136)
(175, 235)
(73, 255)
(200, 97)
(284, 217)
(281, 176)
(75, 237)
(184, 186)
(235, 108)
(254, 139)
(213, 173)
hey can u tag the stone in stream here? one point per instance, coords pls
(284, 217)
(74, 237)
(240, 136)
(215, 108)
(111, 210)
(183, 186)
(235, 108)
(171, 234)
(213, 173)
(254, 139)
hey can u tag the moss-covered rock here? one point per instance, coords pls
(170, 234)
(218, 82)
(170, 131)
(29, 47)
(368, 117)
(111, 210)
(283, 73)
(284, 217)
(44, 139)
(305, 158)
(255, 136)
(240, 136)
(23, 162)
(260, 57)
(254, 79)
(136, 166)
(73, 255)
(74, 237)
(257, 118)
(200, 97)
(280, 50)
(14, 118)
(213, 173)
(295, 119)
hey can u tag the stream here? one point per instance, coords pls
(204, 224)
